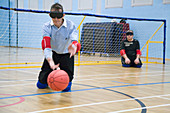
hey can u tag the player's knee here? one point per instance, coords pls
(126, 65)
(41, 86)
(68, 88)
(138, 66)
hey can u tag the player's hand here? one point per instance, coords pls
(127, 61)
(72, 50)
(52, 65)
(136, 61)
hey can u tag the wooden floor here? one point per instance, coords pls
(95, 89)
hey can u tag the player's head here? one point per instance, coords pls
(57, 7)
(129, 35)
(56, 11)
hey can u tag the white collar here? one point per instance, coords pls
(64, 23)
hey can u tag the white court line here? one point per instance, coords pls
(166, 65)
(164, 98)
(119, 77)
(18, 80)
(98, 103)
(17, 85)
(84, 79)
(76, 76)
(101, 74)
(97, 74)
(20, 71)
(163, 105)
(27, 72)
(123, 73)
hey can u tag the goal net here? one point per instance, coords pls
(100, 36)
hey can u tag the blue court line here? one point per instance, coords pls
(86, 89)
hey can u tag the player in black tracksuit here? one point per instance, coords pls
(130, 51)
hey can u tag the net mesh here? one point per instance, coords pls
(102, 39)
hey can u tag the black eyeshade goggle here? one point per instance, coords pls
(129, 33)
(56, 14)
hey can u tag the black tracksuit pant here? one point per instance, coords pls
(66, 64)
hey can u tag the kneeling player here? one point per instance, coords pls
(60, 44)
(130, 51)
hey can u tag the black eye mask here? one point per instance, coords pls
(56, 14)
(129, 33)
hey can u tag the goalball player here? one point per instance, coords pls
(130, 51)
(60, 44)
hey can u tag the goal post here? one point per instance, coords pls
(100, 35)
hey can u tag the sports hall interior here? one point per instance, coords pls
(100, 84)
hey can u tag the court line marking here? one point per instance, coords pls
(163, 105)
(17, 85)
(137, 100)
(119, 77)
(123, 73)
(22, 70)
(157, 66)
(97, 103)
(73, 80)
(164, 98)
(102, 74)
(35, 67)
(80, 79)
(28, 72)
(15, 80)
(20, 101)
(28, 95)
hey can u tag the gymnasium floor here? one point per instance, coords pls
(95, 89)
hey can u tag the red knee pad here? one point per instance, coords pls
(46, 42)
(78, 45)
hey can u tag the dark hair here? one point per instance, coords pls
(56, 7)
(123, 20)
(129, 32)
